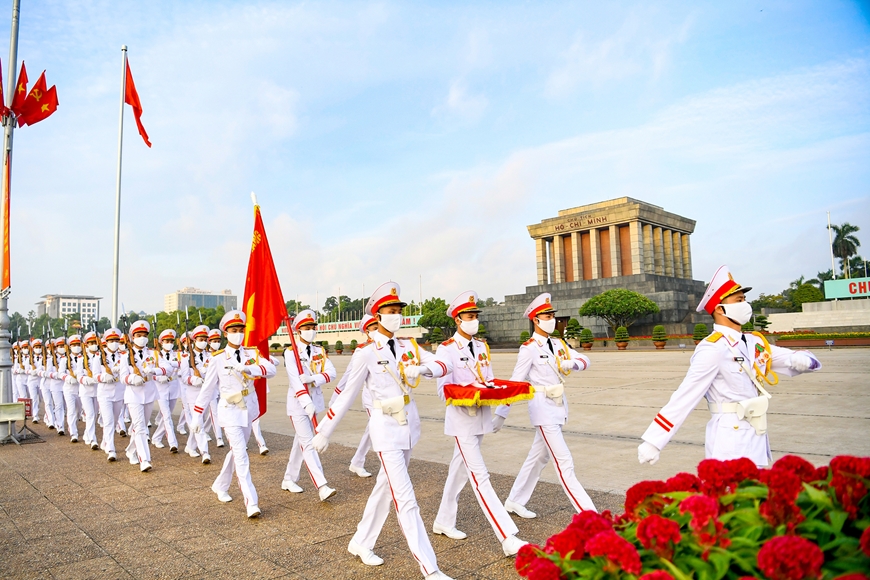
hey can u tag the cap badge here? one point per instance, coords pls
(393, 292)
(471, 299)
(547, 300)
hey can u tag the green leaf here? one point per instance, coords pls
(837, 519)
(721, 561)
(818, 497)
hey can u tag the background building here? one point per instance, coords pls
(621, 243)
(194, 297)
(60, 305)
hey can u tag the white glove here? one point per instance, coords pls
(196, 381)
(135, 380)
(236, 366)
(497, 423)
(88, 381)
(106, 378)
(310, 410)
(568, 365)
(70, 380)
(33, 373)
(153, 371)
(413, 371)
(162, 379)
(801, 362)
(648, 453)
(196, 422)
(320, 442)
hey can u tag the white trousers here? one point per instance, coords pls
(109, 412)
(57, 406)
(468, 463)
(258, 435)
(365, 445)
(164, 422)
(90, 408)
(33, 395)
(197, 440)
(393, 485)
(138, 446)
(184, 416)
(549, 442)
(45, 394)
(19, 385)
(303, 450)
(237, 460)
(212, 420)
(73, 412)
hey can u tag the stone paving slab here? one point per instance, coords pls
(65, 512)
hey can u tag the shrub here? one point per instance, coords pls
(700, 332)
(481, 331)
(619, 307)
(573, 329)
(748, 327)
(339, 345)
(524, 336)
(275, 346)
(621, 334)
(325, 345)
(557, 333)
(659, 333)
(586, 336)
(353, 344)
(435, 335)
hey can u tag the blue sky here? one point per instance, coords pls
(396, 140)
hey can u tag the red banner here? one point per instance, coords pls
(504, 393)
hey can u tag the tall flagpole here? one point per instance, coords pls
(118, 185)
(8, 127)
(831, 248)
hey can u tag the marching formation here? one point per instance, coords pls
(116, 379)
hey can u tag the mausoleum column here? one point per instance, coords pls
(668, 244)
(660, 251)
(649, 266)
(576, 256)
(687, 257)
(559, 256)
(615, 254)
(551, 255)
(596, 254)
(678, 255)
(636, 232)
(541, 255)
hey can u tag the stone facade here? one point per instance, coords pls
(622, 243)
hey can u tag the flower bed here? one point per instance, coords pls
(732, 521)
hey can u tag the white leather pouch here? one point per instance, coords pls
(555, 392)
(395, 407)
(754, 410)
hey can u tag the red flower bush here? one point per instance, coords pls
(790, 558)
(657, 575)
(721, 477)
(587, 524)
(644, 497)
(783, 490)
(659, 535)
(542, 569)
(848, 481)
(703, 509)
(525, 557)
(684, 482)
(797, 465)
(619, 552)
(570, 542)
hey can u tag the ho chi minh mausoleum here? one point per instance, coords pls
(622, 243)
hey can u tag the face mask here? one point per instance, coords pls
(140, 341)
(547, 326)
(113, 346)
(167, 346)
(308, 335)
(739, 312)
(37, 350)
(215, 345)
(76, 349)
(469, 327)
(391, 322)
(60, 348)
(200, 344)
(93, 348)
(235, 338)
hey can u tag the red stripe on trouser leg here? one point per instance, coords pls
(396, 506)
(559, 469)
(477, 490)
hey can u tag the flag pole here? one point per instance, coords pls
(6, 429)
(118, 186)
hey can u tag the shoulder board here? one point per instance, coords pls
(369, 343)
(714, 337)
(447, 342)
(528, 342)
(217, 352)
(289, 347)
(366, 343)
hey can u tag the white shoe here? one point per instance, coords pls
(111, 457)
(182, 431)
(254, 511)
(145, 466)
(206, 458)
(290, 486)
(134, 459)
(207, 438)
(451, 533)
(94, 446)
(325, 492)
(514, 508)
(192, 452)
(220, 442)
(511, 545)
(73, 439)
(361, 471)
(367, 556)
(158, 444)
(35, 421)
(438, 575)
(222, 496)
(264, 450)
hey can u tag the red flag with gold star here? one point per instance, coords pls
(34, 99)
(263, 300)
(41, 111)
(20, 90)
(131, 97)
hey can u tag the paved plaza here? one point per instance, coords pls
(67, 513)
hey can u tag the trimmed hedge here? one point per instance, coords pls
(824, 336)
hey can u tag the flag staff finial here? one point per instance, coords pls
(254, 198)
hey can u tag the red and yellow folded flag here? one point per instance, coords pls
(504, 393)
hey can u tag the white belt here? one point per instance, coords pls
(753, 410)
(717, 408)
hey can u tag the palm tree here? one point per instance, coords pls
(819, 280)
(845, 244)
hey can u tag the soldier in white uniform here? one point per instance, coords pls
(231, 372)
(389, 368)
(544, 361)
(138, 371)
(168, 392)
(304, 401)
(210, 418)
(110, 390)
(730, 369)
(468, 359)
(33, 379)
(88, 388)
(68, 370)
(54, 385)
(44, 386)
(192, 375)
(358, 461)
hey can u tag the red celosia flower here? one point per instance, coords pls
(790, 558)
(657, 575)
(797, 465)
(568, 541)
(865, 542)
(783, 489)
(585, 525)
(543, 569)
(703, 509)
(722, 477)
(619, 552)
(821, 473)
(659, 535)
(644, 497)
(684, 482)
(847, 481)
(525, 557)
(852, 576)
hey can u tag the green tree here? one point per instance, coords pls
(435, 316)
(619, 307)
(858, 267)
(845, 244)
(806, 293)
(294, 307)
(700, 332)
(524, 336)
(761, 322)
(487, 302)
(435, 335)
(586, 336)
(777, 301)
(481, 331)
(573, 329)
(621, 334)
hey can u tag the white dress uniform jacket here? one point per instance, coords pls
(467, 364)
(144, 358)
(715, 374)
(228, 382)
(317, 365)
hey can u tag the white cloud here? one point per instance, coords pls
(460, 103)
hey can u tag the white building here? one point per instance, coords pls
(194, 297)
(61, 305)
